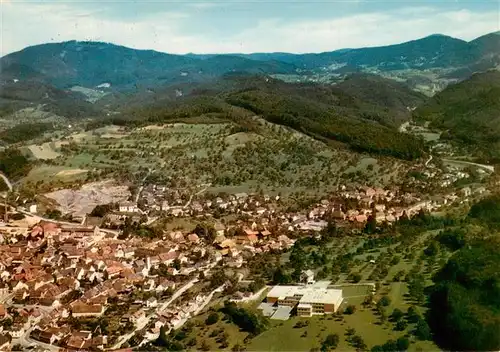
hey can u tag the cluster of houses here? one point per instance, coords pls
(51, 273)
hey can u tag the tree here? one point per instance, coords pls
(371, 225)
(205, 346)
(245, 319)
(402, 344)
(397, 314)
(280, 277)
(212, 318)
(330, 342)
(401, 325)
(162, 338)
(358, 342)
(423, 331)
(176, 264)
(368, 300)
(238, 348)
(432, 249)
(416, 288)
(355, 277)
(412, 315)
(384, 301)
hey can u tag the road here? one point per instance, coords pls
(164, 306)
(404, 127)
(192, 195)
(428, 161)
(27, 341)
(6, 180)
(142, 186)
(482, 166)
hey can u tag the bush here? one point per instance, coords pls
(301, 324)
(350, 309)
(212, 318)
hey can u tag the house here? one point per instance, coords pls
(219, 229)
(466, 191)
(380, 216)
(151, 302)
(3, 311)
(177, 236)
(76, 342)
(338, 214)
(307, 277)
(81, 309)
(17, 331)
(165, 285)
(361, 218)
(137, 316)
(128, 207)
(193, 238)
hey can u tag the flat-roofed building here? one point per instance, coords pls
(309, 300)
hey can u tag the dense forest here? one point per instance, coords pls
(468, 111)
(324, 112)
(14, 164)
(487, 211)
(24, 132)
(465, 300)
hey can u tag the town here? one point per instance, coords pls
(101, 283)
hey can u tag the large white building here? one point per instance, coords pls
(309, 300)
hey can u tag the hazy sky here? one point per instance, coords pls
(242, 26)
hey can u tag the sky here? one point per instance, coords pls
(230, 26)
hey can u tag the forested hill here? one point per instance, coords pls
(325, 112)
(395, 98)
(469, 112)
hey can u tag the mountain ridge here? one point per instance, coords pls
(88, 64)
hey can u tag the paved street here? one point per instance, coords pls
(164, 306)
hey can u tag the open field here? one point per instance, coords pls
(44, 151)
(282, 336)
(49, 173)
(72, 172)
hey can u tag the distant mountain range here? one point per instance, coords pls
(361, 95)
(89, 64)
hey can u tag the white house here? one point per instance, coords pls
(128, 207)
